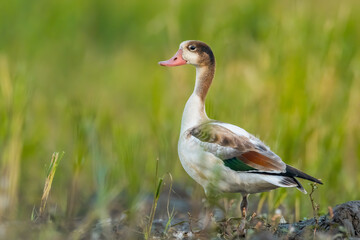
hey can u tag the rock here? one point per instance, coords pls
(345, 222)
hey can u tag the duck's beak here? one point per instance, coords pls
(176, 60)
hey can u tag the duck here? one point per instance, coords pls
(222, 157)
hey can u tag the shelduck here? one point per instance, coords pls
(222, 157)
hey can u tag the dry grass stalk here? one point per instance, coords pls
(331, 212)
(155, 202)
(50, 177)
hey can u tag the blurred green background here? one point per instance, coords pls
(82, 77)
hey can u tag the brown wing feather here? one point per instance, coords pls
(222, 136)
(260, 162)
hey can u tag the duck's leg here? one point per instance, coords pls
(244, 205)
(207, 218)
(211, 203)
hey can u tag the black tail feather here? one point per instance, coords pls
(299, 186)
(293, 172)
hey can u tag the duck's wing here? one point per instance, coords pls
(239, 150)
(242, 152)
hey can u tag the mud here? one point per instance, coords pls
(343, 221)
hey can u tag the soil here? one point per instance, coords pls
(342, 221)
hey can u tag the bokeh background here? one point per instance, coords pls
(82, 77)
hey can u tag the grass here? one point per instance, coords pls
(55, 160)
(82, 76)
(158, 187)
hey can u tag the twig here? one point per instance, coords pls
(189, 214)
(315, 206)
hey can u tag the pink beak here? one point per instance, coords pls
(176, 60)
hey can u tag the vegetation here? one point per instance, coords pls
(82, 77)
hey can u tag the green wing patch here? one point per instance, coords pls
(237, 165)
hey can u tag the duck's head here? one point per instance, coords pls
(191, 52)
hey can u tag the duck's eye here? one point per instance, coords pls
(192, 48)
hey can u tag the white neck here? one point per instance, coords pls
(194, 112)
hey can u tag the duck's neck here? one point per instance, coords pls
(194, 112)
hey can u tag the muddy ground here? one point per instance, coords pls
(341, 222)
